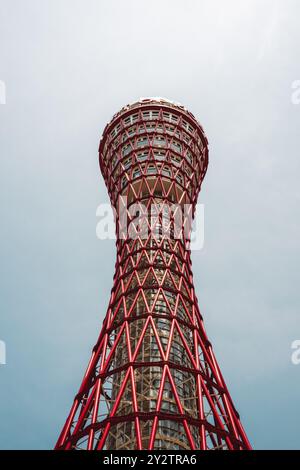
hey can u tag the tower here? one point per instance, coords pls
(153, 381)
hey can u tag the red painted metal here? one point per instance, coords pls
(153, 381)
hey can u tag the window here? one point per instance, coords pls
(127, 163)
(136, 173)
(123, 183)
(116, 143)
(159, 141)
(142, 141)
(141, 156)
(151, 170)
(179, 179)
(189, 157)
(154, 114)
(126, 150)
(176, 146)
(175, 160)
(159, 155)
(166, 171)
(186, 138)
(132, 130)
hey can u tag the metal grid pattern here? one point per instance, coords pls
(153, 381)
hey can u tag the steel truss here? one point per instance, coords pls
(153, 381)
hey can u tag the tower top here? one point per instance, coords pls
(154, 142)
(152, 102)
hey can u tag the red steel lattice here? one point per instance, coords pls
(153, 381)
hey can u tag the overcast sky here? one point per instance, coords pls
(68, 66)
